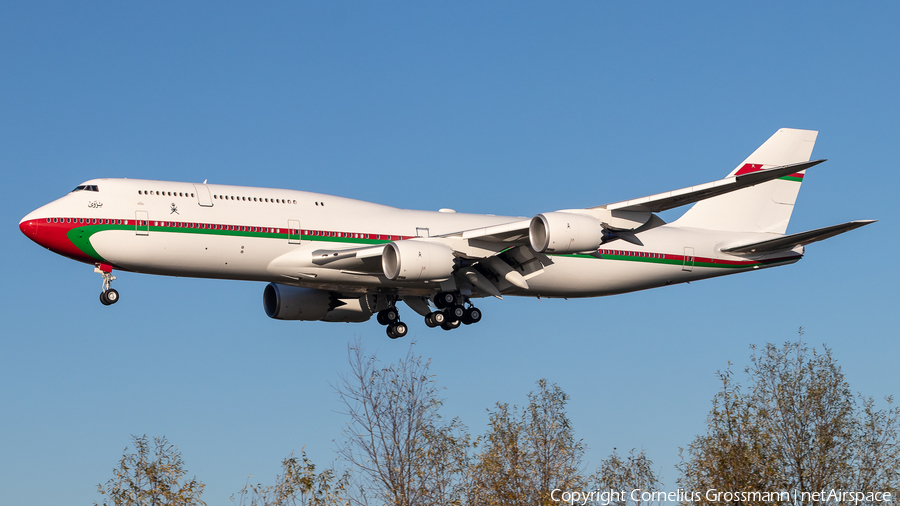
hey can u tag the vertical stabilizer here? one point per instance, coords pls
(765, 207)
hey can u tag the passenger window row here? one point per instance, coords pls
(88, 221)
(165, 193)
(254, 199)
(641, 254)
(216, 197)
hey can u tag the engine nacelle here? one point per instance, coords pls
(560, 232)
(417, 261)
(283, 302)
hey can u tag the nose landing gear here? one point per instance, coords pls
(109, 295)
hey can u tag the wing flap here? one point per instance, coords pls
(794, 240)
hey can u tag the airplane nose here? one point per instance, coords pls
(29, 228)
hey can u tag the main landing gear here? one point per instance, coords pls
(109, 295)
(391, 318)
(452, 311)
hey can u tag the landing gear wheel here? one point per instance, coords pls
(472, 315)
(108, 296)
(112, 296)
(450, 325)
(444, 300)
(388, 316)
(397, 330)
(435, 319)
(454, 313)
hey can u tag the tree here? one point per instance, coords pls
(798, 428)
(151, 477)
(529, 454)
(633, 473)
(396, 439)
(298, 485)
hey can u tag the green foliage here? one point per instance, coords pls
(298, 485)
(151, 477)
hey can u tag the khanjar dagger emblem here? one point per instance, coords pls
(174, 209)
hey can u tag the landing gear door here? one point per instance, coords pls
(203, 196)
(688, 259)
(293, 231)
(141, 223)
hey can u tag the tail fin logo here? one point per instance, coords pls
(755, 167)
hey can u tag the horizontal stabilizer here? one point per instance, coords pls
(790, 241)
(677, 198)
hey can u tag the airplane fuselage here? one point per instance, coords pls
(272, 235)
(336, 259)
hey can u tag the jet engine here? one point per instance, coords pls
(417, 261)
(283, 302)
(560, 232)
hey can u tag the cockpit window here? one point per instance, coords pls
(86, 187)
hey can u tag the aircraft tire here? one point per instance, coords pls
(387, 316)
(450, 325)
(444, 300)
(400, 329)
(112, 296)
(472, 315)
(454, 313)
(104, 300)
(434, 319)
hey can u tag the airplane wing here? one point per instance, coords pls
(631, 214)
(793, 240)
(676, 198)
(514, 232)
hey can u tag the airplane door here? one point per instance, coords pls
(688, 259)
(422, 232)
(203, 197)
(293, 231)
(141, 223)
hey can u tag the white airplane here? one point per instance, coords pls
(342, 260)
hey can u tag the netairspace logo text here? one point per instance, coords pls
(608, 497)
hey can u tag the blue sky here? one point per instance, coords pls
(506, 108)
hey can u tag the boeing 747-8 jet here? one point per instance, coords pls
(342, 260)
